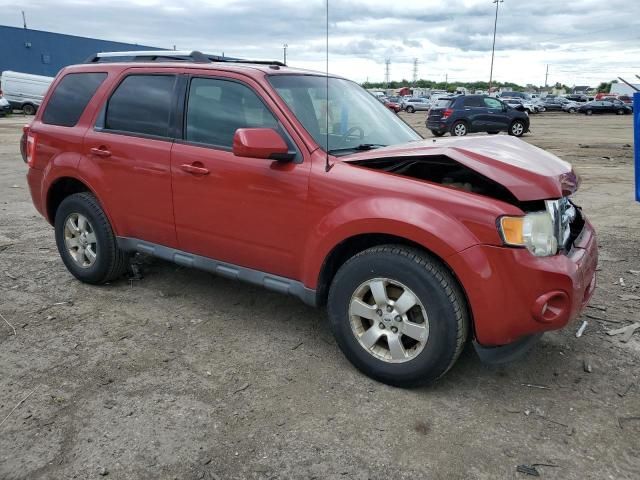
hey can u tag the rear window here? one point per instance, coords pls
(141, 104)
(443, 103)
(70, 98)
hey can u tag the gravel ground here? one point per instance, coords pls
(184, 375)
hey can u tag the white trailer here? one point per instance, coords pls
(23, 90)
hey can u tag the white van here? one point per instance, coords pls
(23, 90)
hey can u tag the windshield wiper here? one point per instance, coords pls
(361, 147)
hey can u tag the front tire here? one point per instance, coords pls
(86, 242)
(410, 110)
(398, 315)
(437, 133)
(517, 128)
(459, 129)
(589, 112)
(620, 112)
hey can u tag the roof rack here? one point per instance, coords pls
(171, 56)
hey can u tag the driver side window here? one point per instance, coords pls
(217, 108)
(492, 103)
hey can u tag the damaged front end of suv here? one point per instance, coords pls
(541, 272)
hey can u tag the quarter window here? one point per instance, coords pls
(141, 104)
(71, 97)
(217, 108)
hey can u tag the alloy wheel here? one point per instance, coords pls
(388, 320)
(80, 240)
(460, 130)
(517, 129)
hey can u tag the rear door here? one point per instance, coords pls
(243, 211)
(476, 113)
(127, 154)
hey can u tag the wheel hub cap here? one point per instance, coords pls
(388, 320)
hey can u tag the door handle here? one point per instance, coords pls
(194, 169)
(100, 152)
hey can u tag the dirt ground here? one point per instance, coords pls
(183, 375)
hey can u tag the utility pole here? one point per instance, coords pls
(284, 49)
(546, 77)
(493, 48)
(415, 71)
(446, 81)
(24, 20)
(387, 74)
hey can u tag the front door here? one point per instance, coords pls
(244, 211)
(497, 118)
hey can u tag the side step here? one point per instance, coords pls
(228, 270)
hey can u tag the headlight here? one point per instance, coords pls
(535, 231)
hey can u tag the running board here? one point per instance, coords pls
(223, 269)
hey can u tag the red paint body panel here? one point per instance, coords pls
(286, 218)
(502, 285)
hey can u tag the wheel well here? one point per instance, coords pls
(347, 249)
(60, 190)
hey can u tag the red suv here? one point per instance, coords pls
(309, 186)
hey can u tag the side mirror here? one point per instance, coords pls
(261, 143)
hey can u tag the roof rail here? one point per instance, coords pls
(170, 56)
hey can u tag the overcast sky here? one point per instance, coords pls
(584, 42)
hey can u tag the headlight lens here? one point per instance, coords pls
(534, 231)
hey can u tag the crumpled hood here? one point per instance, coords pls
(528, 172)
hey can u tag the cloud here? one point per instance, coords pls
(584, 41)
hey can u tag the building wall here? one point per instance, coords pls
(45, 53)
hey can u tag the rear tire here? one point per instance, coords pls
(365, 306)
(459, 129)
(572, 110)
(410, 109)
(437, 134)
(620, 112)
(86, 242)
(28, 109)
(589, 112)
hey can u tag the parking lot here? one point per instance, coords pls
(185, 375)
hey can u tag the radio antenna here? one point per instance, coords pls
(327, 164)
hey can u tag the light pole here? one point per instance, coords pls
(284, 49)
(493, 48)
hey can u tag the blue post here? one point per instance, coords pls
(636, 140)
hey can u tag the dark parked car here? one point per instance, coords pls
(554, 103)
(577, 97)
(605, 106)
(476, 113)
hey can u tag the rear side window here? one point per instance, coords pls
(71, 97)
(217, 108)
(473, 102)
(141, 104)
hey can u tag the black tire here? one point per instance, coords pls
(589, 112)
(436, 289)
(410, 109)
(620, 112)
(459, 129)
(29, 109)
(517, 128)
(437, 134)
(110, 262)
(572, 110)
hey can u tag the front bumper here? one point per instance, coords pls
(513, 294)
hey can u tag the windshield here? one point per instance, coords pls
(352, 120)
